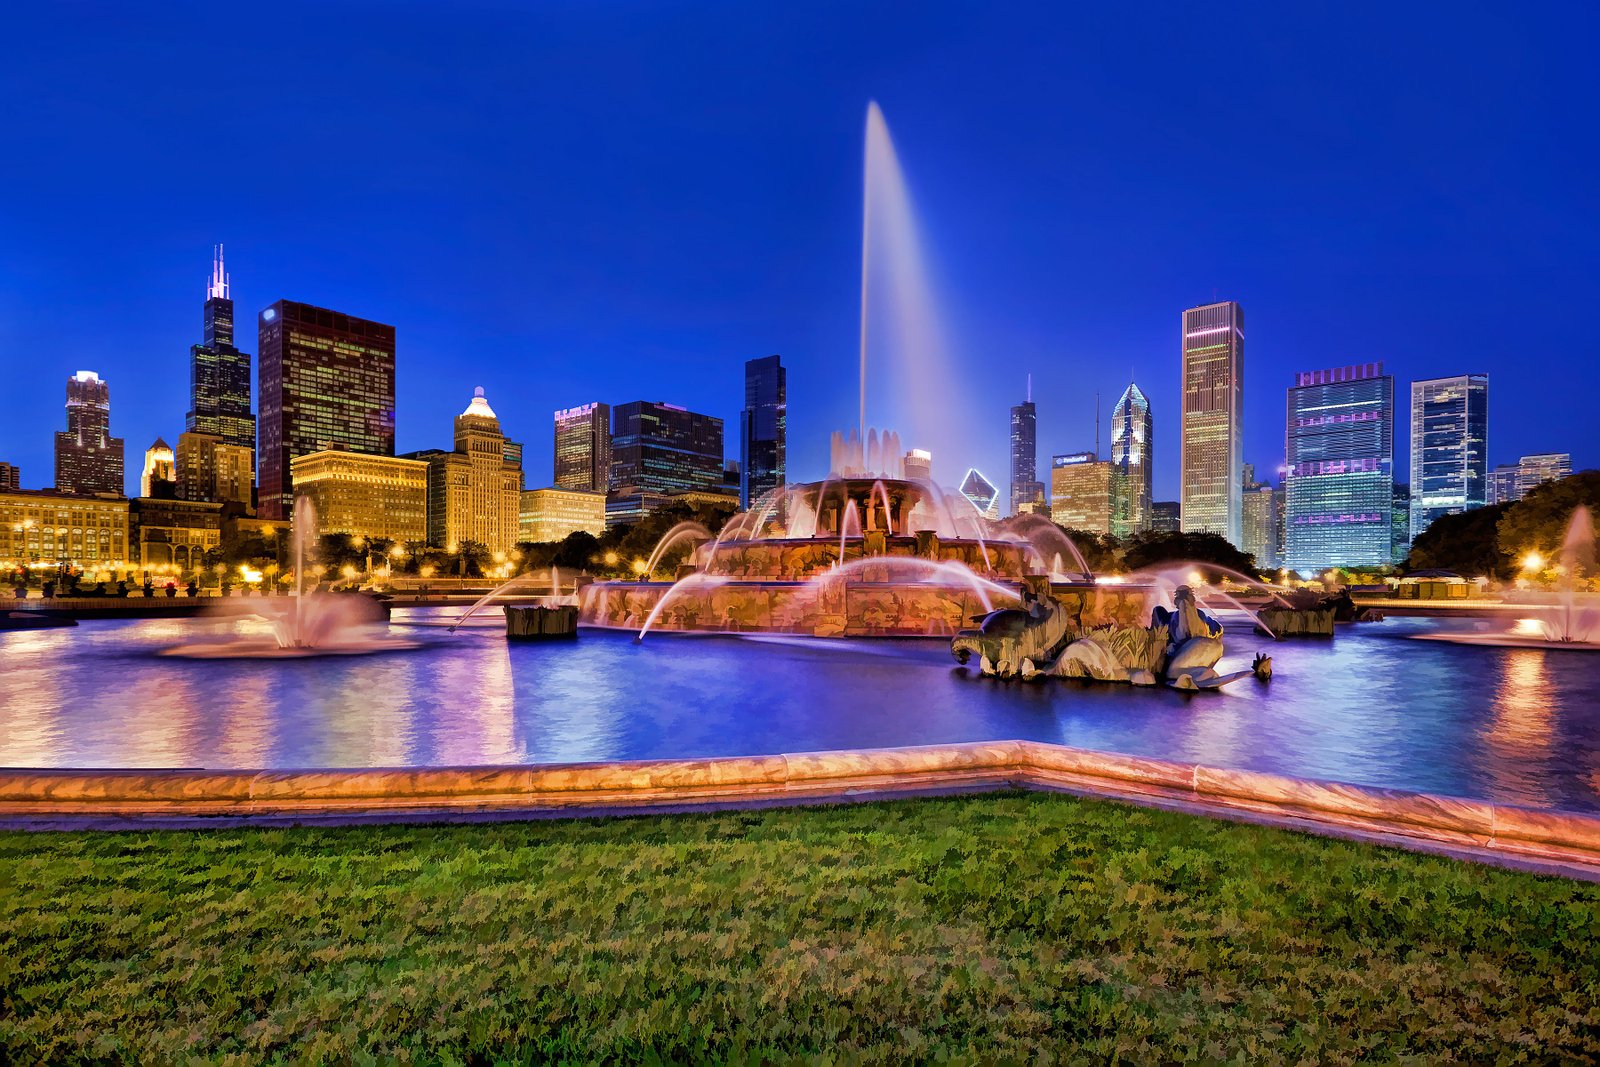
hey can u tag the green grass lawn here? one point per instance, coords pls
(1011, 927)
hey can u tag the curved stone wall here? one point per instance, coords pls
(1478, 827)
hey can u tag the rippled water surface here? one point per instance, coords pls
(1370, 706)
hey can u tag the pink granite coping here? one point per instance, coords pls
(87, 796)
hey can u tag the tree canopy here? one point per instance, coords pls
(1151, 549)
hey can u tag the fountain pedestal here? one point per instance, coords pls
(536, 622)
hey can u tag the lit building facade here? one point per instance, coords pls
(219, 374)
(159, 466)
(48, 526)
(1025, 485)
(918, 465)
(209, 468)
(1263, 516)
(552, 514)
(175, 533)
(1211, 432)
(1339, 483)
(88, 458)
(474, 491)
(1544, 467)
(663, 448)
(1166, 516)
(1080, 492)
(376, 497)
(1503, 484)
(583, 448)
(1132, 470)
(1449, 447)
(763, 429)
(326, 380)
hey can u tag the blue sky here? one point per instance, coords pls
(567, 202)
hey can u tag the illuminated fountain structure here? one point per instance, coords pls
(857, 557)
(307, 623)
(1566, 619)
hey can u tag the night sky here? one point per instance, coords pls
(617, 202)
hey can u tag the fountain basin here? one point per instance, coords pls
(839, 609)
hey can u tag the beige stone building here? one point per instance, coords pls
(44, 526)
(551, 514)
(475, 491)
(208, 468)
(376, 497)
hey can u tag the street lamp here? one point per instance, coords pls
(1532, 561)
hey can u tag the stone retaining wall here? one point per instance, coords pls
(1565, 837)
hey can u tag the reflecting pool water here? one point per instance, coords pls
(1371, 706)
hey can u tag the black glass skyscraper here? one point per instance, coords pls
(662, 448)
(219, 374)
(1025, 484)
(327, 380)
(763, 429)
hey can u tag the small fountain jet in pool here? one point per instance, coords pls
(305, 624)
(1571, 619)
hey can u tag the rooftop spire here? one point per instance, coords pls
(217, 287)
(1030, 387)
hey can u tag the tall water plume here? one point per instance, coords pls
(905, 379)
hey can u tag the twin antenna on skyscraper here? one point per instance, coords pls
(217, 286)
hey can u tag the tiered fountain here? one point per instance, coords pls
(855, 556)
(866, 551)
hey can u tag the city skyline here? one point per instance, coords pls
(637, 248)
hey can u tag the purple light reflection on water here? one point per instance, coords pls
(1514, 725)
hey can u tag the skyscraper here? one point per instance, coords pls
(474, 491)
(1131, 469)
(1025, 485)
(763, 429)
(327, 379)
(10, 476)
(1080, 492)
(663, 448)
(1449, 447)
(219, 374)
(159, 466)
(88, 458)
(583, 448)
(1339, 487)
(1211, 449)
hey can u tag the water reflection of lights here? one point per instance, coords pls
(1521, 735)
